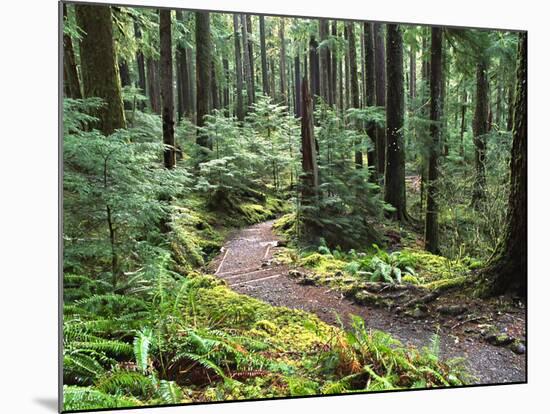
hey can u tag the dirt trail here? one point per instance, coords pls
(245, 264)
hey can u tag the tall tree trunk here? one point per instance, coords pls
(370, 91)
(167, 89)
(480, 128)
(71, 82)
(99, 67)
(463, 119)
(247, 64)
(153, 85)
(263, 53)
(412, 74)
(215, 90)
(297, 86)
(354, 84)
(251, 55)
(431, 234)
(203, 44)
(395, 151)
(442, 115)
(324, 60)
(227, 81)
(334, 68)
(238, 69)
(510, 103)
(380, 70)
(310, 176)
(313, 69)
(184, 88)
(507, 269)
(140, 61)
(282, 63)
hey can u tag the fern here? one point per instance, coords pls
(141, 348)
(84, 398)
(170, 392)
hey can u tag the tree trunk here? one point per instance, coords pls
(227, 81)
(313, 69)
(297, 86)
(507, 270)
(184, 88)
(310, 176)
(282, 63)
(395, 151)
(251, 55)
(324, 61)
(215, 90)
(203, 72)
(167, 90)
(334, 68)
(100, 76)
(354, 84)
(238, 69)
(263, 53)
(247, 66)
(431, 234)
(71, 82)
(153, 85)
(380, 70)
(140, 61)
(480, 128)
(463, 119)
(370, 91)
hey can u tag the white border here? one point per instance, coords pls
(29, 203)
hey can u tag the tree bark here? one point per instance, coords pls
(380, 68)
(167, 90)
(313, 69)
(354, 84)
(247, 63)
(324, 61)
(297, 86)
(480, 128)
(140, 62)
(251, 55)
(463, 119)
(507, 270)
(99, 67)
(370, 91)
(153, 85)
(184, 88)
(71, 82)
(395, 152)
(203, 72)
(282, 63)
(238, 69)
(263, 54)
(310, 176)
(334, 68)
(431, 234)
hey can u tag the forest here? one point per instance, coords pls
(261, 206)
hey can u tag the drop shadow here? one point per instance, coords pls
(49, 403)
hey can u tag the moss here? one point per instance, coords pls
(323, 264)
(266, 326)
(410, 279)
(286, 226)
(431, 267)
(444, 284)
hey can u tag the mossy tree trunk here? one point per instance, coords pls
(203, 44)
(184, 84)
(431, 234)
(71, 82)
(480, 129)
(380, 70)
(140, 62)
(167, 90)
(324, 59)
(153, 85)
(100, 77)
(394, 182)
(507, 270)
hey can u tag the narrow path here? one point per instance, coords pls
(246, 264)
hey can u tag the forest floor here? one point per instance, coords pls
(247, 264)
